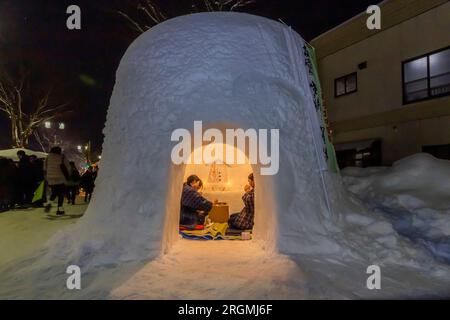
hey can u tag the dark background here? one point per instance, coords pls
(80, 65)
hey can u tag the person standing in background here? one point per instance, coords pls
(25, 186)
(87, 183)
(73, 184)
(37, 168)
(57, 172)
(7, 184)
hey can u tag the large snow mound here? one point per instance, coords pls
(417, 182)
(414, 195)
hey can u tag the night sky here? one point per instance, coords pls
(80, 65)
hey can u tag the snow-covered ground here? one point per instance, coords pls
(25, 232)
(246, 270)
(216, 270)
(414, 194)
(24, 274)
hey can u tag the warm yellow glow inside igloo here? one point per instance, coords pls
(222, 181)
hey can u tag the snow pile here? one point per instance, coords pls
(414, 183)
(415, 195)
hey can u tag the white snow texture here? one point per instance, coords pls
(414, 183)
(414, 193)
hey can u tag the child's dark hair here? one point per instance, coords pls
(250, 176)
(193, 178)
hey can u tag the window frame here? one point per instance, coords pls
(345, 78)
(429, 96)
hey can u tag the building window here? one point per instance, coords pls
(427, 77)
(345, 85)
(362, 154)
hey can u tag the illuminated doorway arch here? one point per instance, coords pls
(265, 227)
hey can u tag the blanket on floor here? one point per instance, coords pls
(213, 231)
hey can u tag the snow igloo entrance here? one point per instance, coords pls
(224, 183)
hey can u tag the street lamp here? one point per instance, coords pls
(48, 125)
(88, 152)
(79, 148)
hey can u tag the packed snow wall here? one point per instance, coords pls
(229, 70)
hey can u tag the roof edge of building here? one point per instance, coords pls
(354, 29)
(358, 16)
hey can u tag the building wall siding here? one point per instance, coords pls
(401, 140)
(394, 12)
(376, 110)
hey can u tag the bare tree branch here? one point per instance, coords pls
(208, 5)
(154, 15)
(39, 140)
(156, 12)
(150, 14)
(135, 25)
(24, 123)
(240, 4)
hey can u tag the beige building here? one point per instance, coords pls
(388, 91)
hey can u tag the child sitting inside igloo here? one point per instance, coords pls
(244, 220)
(194, 207)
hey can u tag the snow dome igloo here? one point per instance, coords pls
(228, 70)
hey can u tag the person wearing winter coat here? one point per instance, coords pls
(8, 176)
(244, 220)
(25, 186)
(87, 183)
(73, 184)
(37, 166)
(56, 168)
(194, 207)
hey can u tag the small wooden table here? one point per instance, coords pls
(220, 212)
